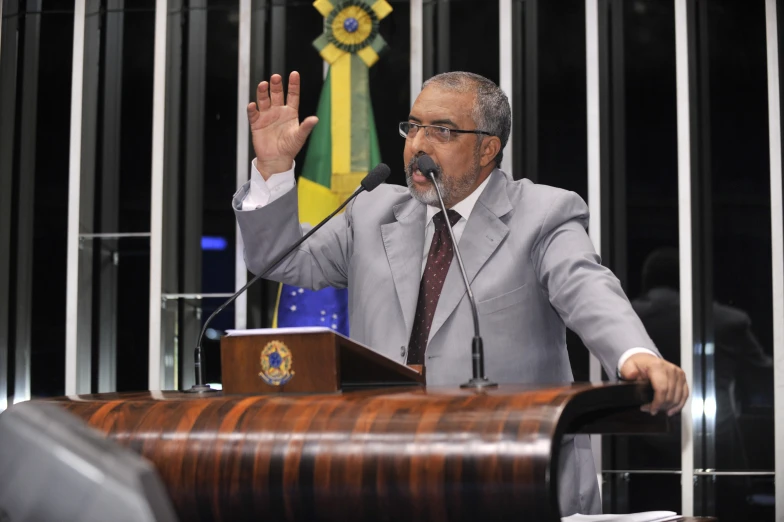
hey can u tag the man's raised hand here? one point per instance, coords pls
(274, 125)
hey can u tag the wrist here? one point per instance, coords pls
(276, 166)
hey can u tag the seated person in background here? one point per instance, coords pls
(531, 264)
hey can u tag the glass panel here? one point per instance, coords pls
(562, 126)
(647, 255)
(742, 497)
(133, 317)
(469, 17)
(220, 150)
(199, 308)
(47, 372)
(136, 120)
(738, 221)
(634, 492)
(392, 105)
(133, 269)
(563, 150)
(303, 25)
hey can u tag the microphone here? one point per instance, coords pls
(428, 167)
(374, 178)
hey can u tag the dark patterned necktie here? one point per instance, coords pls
(438, 260)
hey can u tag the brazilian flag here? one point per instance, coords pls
(343, 147)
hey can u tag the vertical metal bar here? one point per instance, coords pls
(605, 125)
(171, 265)
(243, 86)
(110, 196)
(517, 96)
(416, 50)
(8, 58)
(89, 129)
(532, 90)
(25, 199)
(594, 175)
(257, 45)
(618, 255)
(506, 67)
(278, 38)
(442, 48)
(702, 340)
(428, 39)
(193, 202)
(685, 247)
(777, 242)
(257, 294)
(702, 202)
(155, 375)
(74, 379)
(594, 129)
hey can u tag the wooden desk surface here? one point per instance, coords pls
(395, 454)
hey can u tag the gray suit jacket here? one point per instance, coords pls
(533, 271)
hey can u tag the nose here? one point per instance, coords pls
(419, 144)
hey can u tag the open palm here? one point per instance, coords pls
(275, 128)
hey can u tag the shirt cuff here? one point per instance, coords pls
(261, 193)
(628, 353)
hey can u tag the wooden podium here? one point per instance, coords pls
(332, 442)
(316, 360)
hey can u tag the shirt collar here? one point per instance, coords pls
(465, 207)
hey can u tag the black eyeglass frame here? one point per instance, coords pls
(451, 130)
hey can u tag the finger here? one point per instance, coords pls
(292, 98)
(677, 395)
(253, 113)
(276, 90)
(262, 96)
(682, 394)
(306, 127)
(685, 393)
(659, 382)
(672, 388)
(646, 408)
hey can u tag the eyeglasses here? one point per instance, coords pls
(433, 133)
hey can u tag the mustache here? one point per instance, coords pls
(412, 166)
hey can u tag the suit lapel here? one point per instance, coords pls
(482, 235)
(404, 244)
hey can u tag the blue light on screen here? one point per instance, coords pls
(213, 243)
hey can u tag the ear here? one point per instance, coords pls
(491, 146)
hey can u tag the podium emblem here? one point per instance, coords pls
(276, 364)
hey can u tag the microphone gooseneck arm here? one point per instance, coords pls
(370, 182)
(478, 379)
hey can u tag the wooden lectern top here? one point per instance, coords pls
(394, 454)
(305, 360)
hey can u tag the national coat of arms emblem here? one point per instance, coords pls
(276, 364)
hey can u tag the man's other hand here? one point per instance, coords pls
(668, 381)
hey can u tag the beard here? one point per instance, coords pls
(453, 188)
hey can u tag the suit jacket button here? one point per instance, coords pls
(402, 351)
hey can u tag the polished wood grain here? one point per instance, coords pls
(322, 362)
(401, 454)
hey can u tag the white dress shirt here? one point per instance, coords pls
(263, 192)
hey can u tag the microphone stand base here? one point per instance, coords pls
(479, 383)
(200, 388)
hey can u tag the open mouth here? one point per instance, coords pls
(418, 177)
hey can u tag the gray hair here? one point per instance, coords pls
(491, 112)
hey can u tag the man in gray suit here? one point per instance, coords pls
(531, 264)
